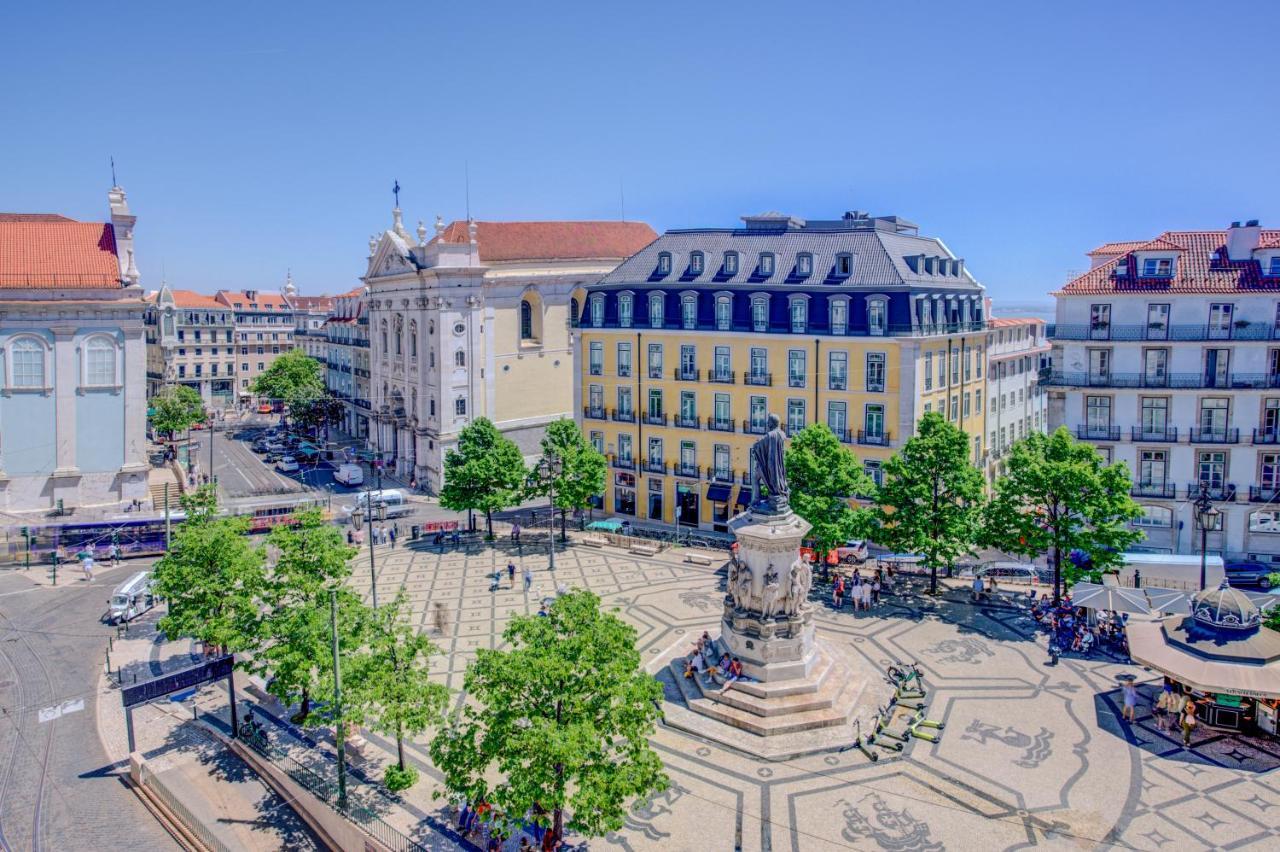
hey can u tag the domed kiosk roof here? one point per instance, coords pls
(1225, 608)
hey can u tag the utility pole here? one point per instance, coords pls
(339, 728)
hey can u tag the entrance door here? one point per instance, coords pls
(655, 506)
(687, 506)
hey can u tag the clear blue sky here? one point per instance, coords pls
(253, 137)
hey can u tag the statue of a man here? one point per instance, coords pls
(742, 589)
(770, 467)
(801, 580)
(769, 594)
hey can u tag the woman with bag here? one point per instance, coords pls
(1188, 722)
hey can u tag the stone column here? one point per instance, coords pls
(133, 379)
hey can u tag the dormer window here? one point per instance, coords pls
(1122, 267)
(724, 312)
(760, 313)
(597, 310)
(766, 264)
(625, 310)
(1274, 268)
(695, 263)
(799, 315)
(664, 263)
(731, 263)
(839, 315)
(656, 312)
(804, 264)
(1157, 267)
(877, 316)
(689, 311)
(844, 264)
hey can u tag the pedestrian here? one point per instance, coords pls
(875, 590)
(515, 533)
(1161, 708)
(441, 620)
(1188, 721)
(115, 555)
(977, 588)
(837, 592)
(528, 578)
(86, 563)
(394, 532)
(511, 573)
(865, 589)
(1130, 692)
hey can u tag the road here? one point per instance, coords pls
(57, 788)
(240, 472)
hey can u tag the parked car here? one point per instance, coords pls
(349, 474)
(287, 464)
(1249, 573)
(854, 551)
(261, 447)
(1016, 572)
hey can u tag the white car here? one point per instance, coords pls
(287, 464)
(854, 551)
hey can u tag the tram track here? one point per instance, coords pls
(24, 679)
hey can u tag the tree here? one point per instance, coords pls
(175, 409)
(393, 672)
(486, 472)
(296, 640)
(316, 413)
(932, 497)
(560, 722)
(1057, 497)
(212, 576)
(294, 378)
(824, 476)
(581, 470)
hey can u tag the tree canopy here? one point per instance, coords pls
(485, 472)
(176, 408)
(293, 378)
(824, 476)
(931, 500)
(559, 722)
(582, 468)
(1057, 497)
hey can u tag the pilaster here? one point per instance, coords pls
(66, 380)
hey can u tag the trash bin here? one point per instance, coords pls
(415, 532)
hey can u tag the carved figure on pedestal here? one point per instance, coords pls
(731, 581)
(769, 595)
(768, 455)
(801, 581)
(742, 589)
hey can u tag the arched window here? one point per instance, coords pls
(657, 304)
(399, 335)
(760, 313)
(413, 339)
(724, 312)
(876, 316)
(99, 362)
(27, 358)
(799, 315)
(597, 309)
(526, 320)
(689, 311)
(460, 358)
(574, 319)
(383, 329)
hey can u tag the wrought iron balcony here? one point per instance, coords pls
(624, 464)
(682, 375)
(688, 422)
(1266, 436)
(651, 466)
(1219, 435)
(1259, 494)
(623, 416)
(763, 380)
(652, 419)
(1176, 381)
(1160, 490)
(687, 470)
(720, 475)
(590, 413)
(1240, 330)
(723, 377)
(749, 428)
(1158, 434)
(1222, 493)
(1098, 433)
(874, 439)
(844, 436)
(717, 425)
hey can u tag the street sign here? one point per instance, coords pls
(179, 680)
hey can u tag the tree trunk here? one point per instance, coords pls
(1057, 574)
(305, 709)
(488, 524)
(400, 746)
(564, 534)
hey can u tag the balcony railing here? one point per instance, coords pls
(1098, 433)
(1266, 436)
(719, 475)
(1162, 490)
(623, 416)
(1222, 493)
(651, 466)
(1259, 494)
(1164, 331)
(723, 377)
(838, 383)
(874, 439)
(624, 464)
(1233, 381)
(590, 413)
(688, 470)
(749, 428)
(1215, 436)
(682, 375)
(716, 425)
(763, 380)
(844, 436)
(688, 422)
(652, 419)
(1158, 434)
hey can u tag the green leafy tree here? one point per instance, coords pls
(824, 476)
(212, 577)
(294, 378)
(393, 672)
(316, 413)
(296, 650)
(579, 470)
(931, 500)
(558, 724)
(176, 409)
(1058, 497)
(485, 473)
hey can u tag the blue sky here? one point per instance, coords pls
(255, 137)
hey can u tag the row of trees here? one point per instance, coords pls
(1058, 498)
(556, 724)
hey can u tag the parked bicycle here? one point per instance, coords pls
(905, 675)
(253, 733)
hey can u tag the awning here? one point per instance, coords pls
(718, 492)
(1114, 598)
(744, 496)
(1148, 647)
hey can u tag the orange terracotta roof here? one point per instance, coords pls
(1269, 240)
(1005, 322)
(313, 303)
(1202, 267)
(1117, 248)
(192, 299)
(499, 241)
(45, 250)
(264, 300)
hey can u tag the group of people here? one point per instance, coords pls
(1069, 628)
(1173, 708)
(485, 819)
(702, 660)
(863, 593)
(382, 534)
(87, 558)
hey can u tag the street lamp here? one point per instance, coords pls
(1207, 515)
(549, 468)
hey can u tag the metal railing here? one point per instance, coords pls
(1266, 436)
(1261, 494)
(749, 428)
(623, 416)
(723, 377)
(1223, 493)
(762, 380)
(1098, 433)
(1154, 489)
(649, 466)
(682, 375)
(1219, 435)
(687, 422)
(1160, 434)
(1232, 381)
(158, 789)
(1239, 330)
(874, 439)
(722, 476)
(689, 470)
(624, 464)
(716, 425)
(652, 419)
(594, 413)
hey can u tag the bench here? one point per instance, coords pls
(595, 540)
(644, 548)
(698, 558)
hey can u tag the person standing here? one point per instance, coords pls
(351, 538)
(528, 578)
(875, 590)
(511, 573)
(865, 588)
(115, 555)
(977, 588)
(515, 533)
(86, 563)
(837, 592)
(1188, 721)
(392, 534)
(1161, 708)
(1130, 692)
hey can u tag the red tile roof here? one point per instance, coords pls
(1117, 248)
(1195, 271)
(499, 241)
(192, 299)
(313, 303)
(45, 250)
(263, 300)
(1005, 322)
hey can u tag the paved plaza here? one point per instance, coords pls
(1032, 754)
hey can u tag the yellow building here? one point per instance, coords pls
(687, 346)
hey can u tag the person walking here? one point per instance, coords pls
(115, 555)
(515, 533)
(528, 578)
(1161, 708)
(1188, 721)
(511, 573)
(875, 590)
(977, 588)
(1130, 692)
(392, 534)
(351, 537)
(86, 563)
(837, 592)
(865, 589)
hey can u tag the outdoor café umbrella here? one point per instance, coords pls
(1168, 600)
(1114, 598)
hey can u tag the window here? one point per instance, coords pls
(804, 264)
(1098, 414)
(875, 372)
(655, 403)
(595, 360)
(595, 400)
(876, 316)
(689, 361)
(597, 309)
(460, 358)
(760, 314)
(873, 421)
(626, 307)
(1214, 412)
(1155, 367)
(460, 406)
(624, 359)
(526, 320)
(664, 263)
(731, 263)
(721, 410)
(1269, 472)
(977, 400)
(795, 416)
(689, 311)
(655, 360)
(413, 339)
(721, 364)
(99, 362)
(1099, 366)
(839, 316)
(574, 320)
(657, 305)
(1154, 516)
(837, 419)
(1217, 368)
(1211, 469)
(759, 363)
(624, 401)
(928, 371)
(799, 315)
(1099, 322)
(955, 407)
(721, 467)
(688, 406)
(688, 455)
(758, 412)
(795, 368)
(837, 370)
(1271, 418)
(1157, 322)
(844, 265)
(182, 371)
(942, 367)
(1265, 521)
(965, 409)
(874, 471)
(766, 264)
(382, 335)
(1157, 267)
(1220, 321)
(724, 312)
(695, 263)
(1274, 268)
(655, 451)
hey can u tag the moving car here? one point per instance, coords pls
(1250, 573)
(131, 598)
(854, 550)
(349, 474)
(287, 464)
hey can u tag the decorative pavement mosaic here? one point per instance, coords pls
(1032, 754)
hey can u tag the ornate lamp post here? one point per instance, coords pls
(1206, 515)
(549, 468)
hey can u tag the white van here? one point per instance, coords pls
(131, 598)
(395, 502)
(349, 474)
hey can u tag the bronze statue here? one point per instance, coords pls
(770, 467)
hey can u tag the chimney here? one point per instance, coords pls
(1242, 239)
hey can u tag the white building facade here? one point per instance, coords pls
(1017, 349)
(1166, 356)
(346, 359)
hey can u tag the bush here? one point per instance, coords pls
(397, 779)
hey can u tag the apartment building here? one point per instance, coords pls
(264, 329)
(1166, 356)
(191, 341)
(686, 347)
(347, 359)
(1017, 353)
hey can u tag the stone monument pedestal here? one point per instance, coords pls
(800, 695)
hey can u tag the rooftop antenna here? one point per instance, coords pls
(114, 182)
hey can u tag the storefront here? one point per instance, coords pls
(718, 494)
(687, 504)
(624, 493)
(655, 498)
